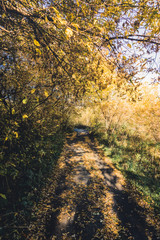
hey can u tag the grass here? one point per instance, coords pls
(138, 160)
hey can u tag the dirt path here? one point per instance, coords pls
(88, 200)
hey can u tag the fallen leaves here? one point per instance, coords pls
(83, 202)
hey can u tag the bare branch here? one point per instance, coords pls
(131, 38)
(5, 30)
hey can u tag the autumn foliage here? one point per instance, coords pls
(60, 58)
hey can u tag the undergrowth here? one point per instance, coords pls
(29, 165)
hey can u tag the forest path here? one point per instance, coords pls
(89, 199)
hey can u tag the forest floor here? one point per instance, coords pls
(87, 198)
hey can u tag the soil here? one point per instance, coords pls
(87, 198)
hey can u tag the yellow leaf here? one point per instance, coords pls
(13, 111)
(38, 51)
(107, 52)
(73, 76)
(3, 15)
(75, 25)
(89, 46)
(56, 11)
(69, 32)
(25, 116)
(24, 101)
(77, 3)
(33, 90)
(46, 19)
(6, 138)
(129, 45)
(62, 21)
(16, 123)
(126, 33)
(119, 54)
(16, 134)
(109, 47)
(124, 58)
(46, 93)
(36, 43)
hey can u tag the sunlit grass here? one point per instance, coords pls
(139, 162)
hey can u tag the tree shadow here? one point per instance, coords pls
(86, 219)
(132, 217)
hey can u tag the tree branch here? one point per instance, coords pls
(130, 37)
(5, 30)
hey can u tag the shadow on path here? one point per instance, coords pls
(91, 203)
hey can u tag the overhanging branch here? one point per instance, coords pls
(131, 38)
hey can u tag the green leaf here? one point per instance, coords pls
(3, 196)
